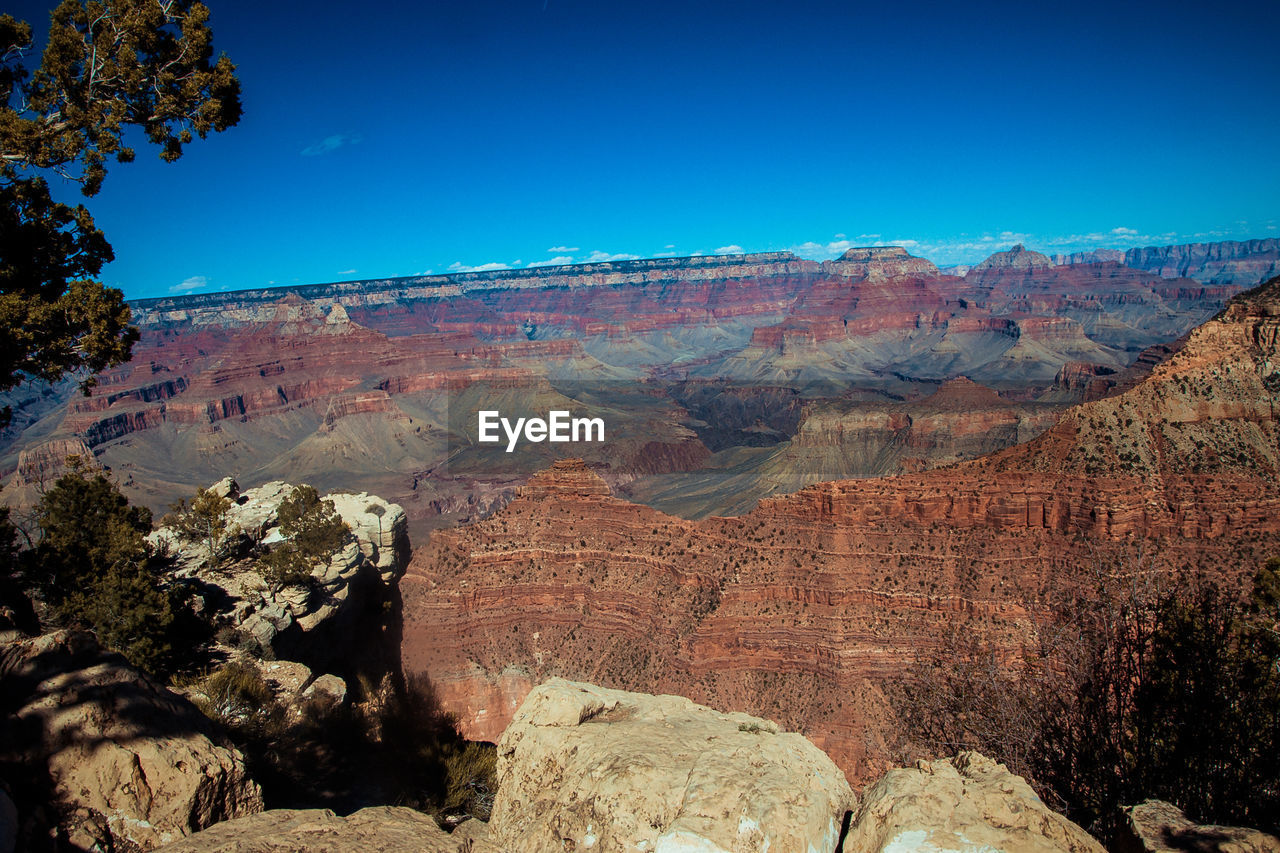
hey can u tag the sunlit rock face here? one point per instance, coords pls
(583, 767)
(802, 608)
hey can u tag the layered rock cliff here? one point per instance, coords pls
(1231, 262)
(369, 385)
(1237, 262)
(799, 609)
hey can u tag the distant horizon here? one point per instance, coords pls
(394, 140)
(534, 268)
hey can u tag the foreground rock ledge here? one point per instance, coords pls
(123, 759)
(587, 768)
(381, 828)
(965, 804)
(1155, 826)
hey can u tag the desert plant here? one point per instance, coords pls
(204, 519)
(313, 530)
(1128, 695)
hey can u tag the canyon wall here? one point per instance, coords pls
(805, 608)
(1242, 262)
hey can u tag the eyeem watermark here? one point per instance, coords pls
(558, 427)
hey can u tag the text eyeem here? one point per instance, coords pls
(557, 427)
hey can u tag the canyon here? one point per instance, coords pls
(739, 376)
(810, 606)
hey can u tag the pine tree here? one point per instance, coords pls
(110, 65)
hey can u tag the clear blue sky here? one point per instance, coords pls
(384, 139)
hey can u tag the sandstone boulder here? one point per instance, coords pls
(584, 767)
(361, 570)
(110, 751)
(964, 804)
(1155, 826)
(386, 829)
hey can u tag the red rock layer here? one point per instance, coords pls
(798, 610)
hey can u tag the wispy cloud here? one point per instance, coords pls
(561, 250)
(599, 257)
(458, 266)
(557, 261)
(733, 249)
(189, 285)
(332, 143)
(346, 272)
(971, 248)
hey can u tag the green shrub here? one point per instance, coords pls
(312, 531)
(204, 519)
(92, 567)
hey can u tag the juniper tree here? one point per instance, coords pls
(313, 530)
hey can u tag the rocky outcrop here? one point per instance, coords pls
(108, 756)
(1243, 263)
(880, 262)
(298, 622)
(1155, 826)
(961, 804)
(392, 829)
(797, 610)
(1017, 258)
(40, 465)
(582, 767)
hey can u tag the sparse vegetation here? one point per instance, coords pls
(92, 567)
(313, 530)
(1129, 695)
(204, 519)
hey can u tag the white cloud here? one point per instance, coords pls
(599, 257)
(188, 285)
(346, 272)
(669, 246)
(1121, 231)
(332, 143)
(558, 261)
(826, 251)
(733, 249)
(458, 266)
(561, 250)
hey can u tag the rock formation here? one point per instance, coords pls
(964, 803)
(868, 438)
(582, 767)
(387, 829)
(106, 755)
(883, 262)
(1017, 258)
(798, 610)
(1155, 826)
(1230, 262)
(297, 622)
(364, 384)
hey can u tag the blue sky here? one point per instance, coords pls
(385, 139)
